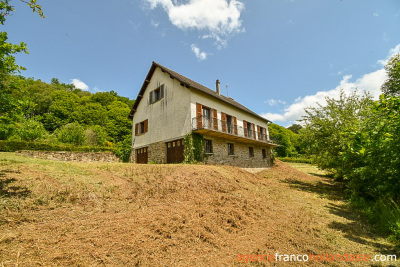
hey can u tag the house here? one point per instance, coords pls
(169, 106)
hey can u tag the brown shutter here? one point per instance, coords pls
(245, 128)
(223, 119)
(235, 125)
(265, 134)
(215, 119)
(198, 116)
(258, 132)
(254, 131)
(146, 122)
(136, 129)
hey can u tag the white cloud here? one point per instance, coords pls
(154, 23)
(79, 84)
(218, 18)
(273, 102)
(376, 14)
(370, 82)
(200, 55)
(391, 53)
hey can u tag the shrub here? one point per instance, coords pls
(72, 133)
(31, 130)
(12, 146)
(95, 136)
(123, 149)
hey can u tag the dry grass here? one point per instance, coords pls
(91, 214)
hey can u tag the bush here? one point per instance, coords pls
(31, 130)
(296, 160)
(123, 149)
(72, 133)
(95, 136)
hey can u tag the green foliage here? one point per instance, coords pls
(295, 128)
(286, 139)
(193, 148)
(296, 159)
(95, 136)
(329, 131)
(392, 84)
(123, 148)
(12, 146)
(31, 130)
(72, 133)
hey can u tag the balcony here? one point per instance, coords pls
(216, 128)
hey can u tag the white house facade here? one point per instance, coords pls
(169, 106)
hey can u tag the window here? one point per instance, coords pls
(229, 124)
(261, 134)
(141, 127)
(231, 149)
(206, 117)
(208, 149)
(249, 130)
(156, 94)
(264, 153)
(251, 152)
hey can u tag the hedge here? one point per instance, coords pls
(296, 160)
(12, 146)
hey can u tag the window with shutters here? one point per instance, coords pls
(264, 153)
(249, 130)
(157, 94)
(141, 127)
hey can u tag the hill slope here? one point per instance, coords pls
(89, 214)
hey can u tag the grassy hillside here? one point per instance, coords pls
(94, 214)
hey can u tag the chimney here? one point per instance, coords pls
(218, 88)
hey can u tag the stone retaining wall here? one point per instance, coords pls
(71, 156)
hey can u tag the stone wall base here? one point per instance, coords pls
(70, 156)
(241, 157)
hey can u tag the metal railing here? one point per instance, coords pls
(212, 124)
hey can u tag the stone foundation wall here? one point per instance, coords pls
(241, 157)
(157, 153)
(71, 156)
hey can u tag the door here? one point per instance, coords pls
(142, 155)
(175, 151)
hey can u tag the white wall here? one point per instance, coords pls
(168, 118)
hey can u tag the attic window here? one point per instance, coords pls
(156, 94)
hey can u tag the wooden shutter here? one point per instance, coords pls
(254, 131)
(151, 97)
(162, 91)
(258, 132)
(198, 116)
(146, 122)
(223, 119)
(136, 129)
(265, 134)
(245, 128)
(215, 120)
(235, 128)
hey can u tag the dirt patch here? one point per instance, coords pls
(173, 215)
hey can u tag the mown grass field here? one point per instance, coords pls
(113, 214)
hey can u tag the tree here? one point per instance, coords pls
(295, 128)
(285, 138)
(392, 84)
(329, 130)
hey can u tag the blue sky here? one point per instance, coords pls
(278, 56)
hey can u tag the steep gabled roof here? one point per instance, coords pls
(188, 83)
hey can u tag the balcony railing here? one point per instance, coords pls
(215, 125)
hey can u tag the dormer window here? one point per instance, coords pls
(156, 94)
